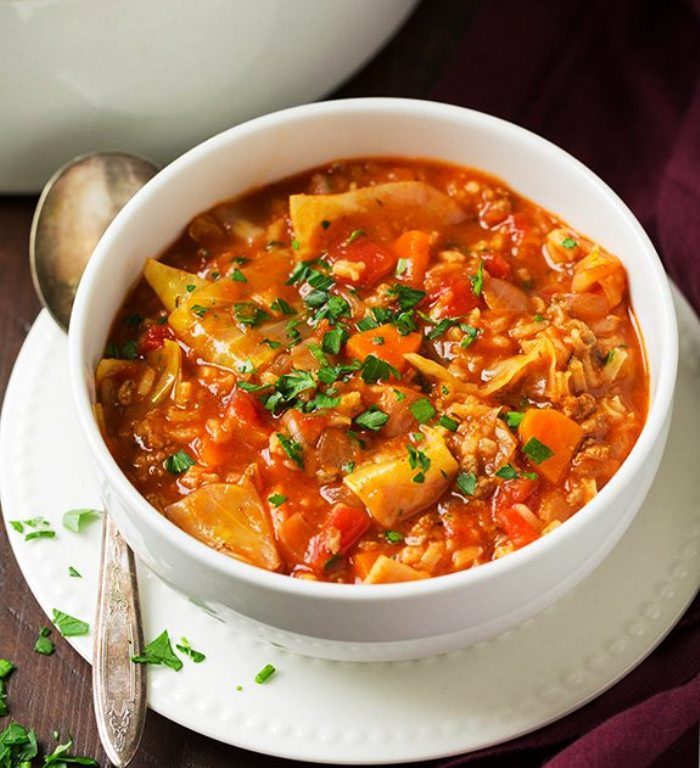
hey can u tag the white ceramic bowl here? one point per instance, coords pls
(156, 77)
(393, 621)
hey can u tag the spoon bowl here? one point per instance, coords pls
(75, 208)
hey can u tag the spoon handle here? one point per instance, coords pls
(118, 685)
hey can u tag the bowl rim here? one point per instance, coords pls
(228, 567)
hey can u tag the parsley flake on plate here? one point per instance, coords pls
(68, 625)
(76, 519)
(265, 674)
(184, 647)
(160, 652)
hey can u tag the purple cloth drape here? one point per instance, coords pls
(617, 84)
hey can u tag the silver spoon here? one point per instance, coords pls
(76, 206)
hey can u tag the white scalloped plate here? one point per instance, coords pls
(353, 713)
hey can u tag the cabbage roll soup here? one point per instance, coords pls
(375, 371)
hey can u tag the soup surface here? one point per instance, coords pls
(375, 371)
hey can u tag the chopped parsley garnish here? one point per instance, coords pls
(399, 395)
(333, 340)
(249, 314)
(448, 423)
(537, 451)
(442, 326)
(373, 419)
(184, 647)
(354, 235)
(199, 310)
(478, 279)
(265, 674)
(276, 499)
(513, 418)
(69, 626)
(293, 333)
(393, 537)
(318, 354)
(272, 344)
(179, 462)
(44, 533)
(159, 651)
(329, 374)
(325, 223)
(18, 745)
(569, 242)
(401, 266)
(609, 356)
(378, 340)
(374, 369)
(292, 448)
(407, 297)
(134, 320)
(76, 519)
(241, 260)
(466, 482)
(296, 245)
(507, 472)
(271, 244)
(287, 389)
(354, 436)
(238, 276)
(43, 644)
(190, 288)
(215, 275)
(367, 324)
(418, 460)
(247, 386)
(6, 666)
(348, 467)
(321, 401)
(130, 350)
(280, 305)
(17, 525)
(538, 318)
(470, 334)
(422, 410)
(42, 528)
(74, 572)
(61, 757)
(246, 366)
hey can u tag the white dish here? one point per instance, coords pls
(358, 713)
(389, 621)
(158, 77)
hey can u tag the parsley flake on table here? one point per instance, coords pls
(265, 674)
(61, 757)
(179, 462)
(422, 410)
(6, 667)
(184, 647)
(43, 644)
(159, 651)
(537, 451)
(76, 519)
(68, 625)
(18, 746)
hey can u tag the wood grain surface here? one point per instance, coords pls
(54, 692)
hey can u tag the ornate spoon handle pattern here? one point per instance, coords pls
(119, 685)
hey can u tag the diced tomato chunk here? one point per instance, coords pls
(497, 266)
(454, 297)
(245, 409)
(517, 529)
(154, 337)
(342, 528)
(515, 491)
(373, 262)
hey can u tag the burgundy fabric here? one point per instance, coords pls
(617, 84)
(614, 82)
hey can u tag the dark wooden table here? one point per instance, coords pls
(54, 692)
